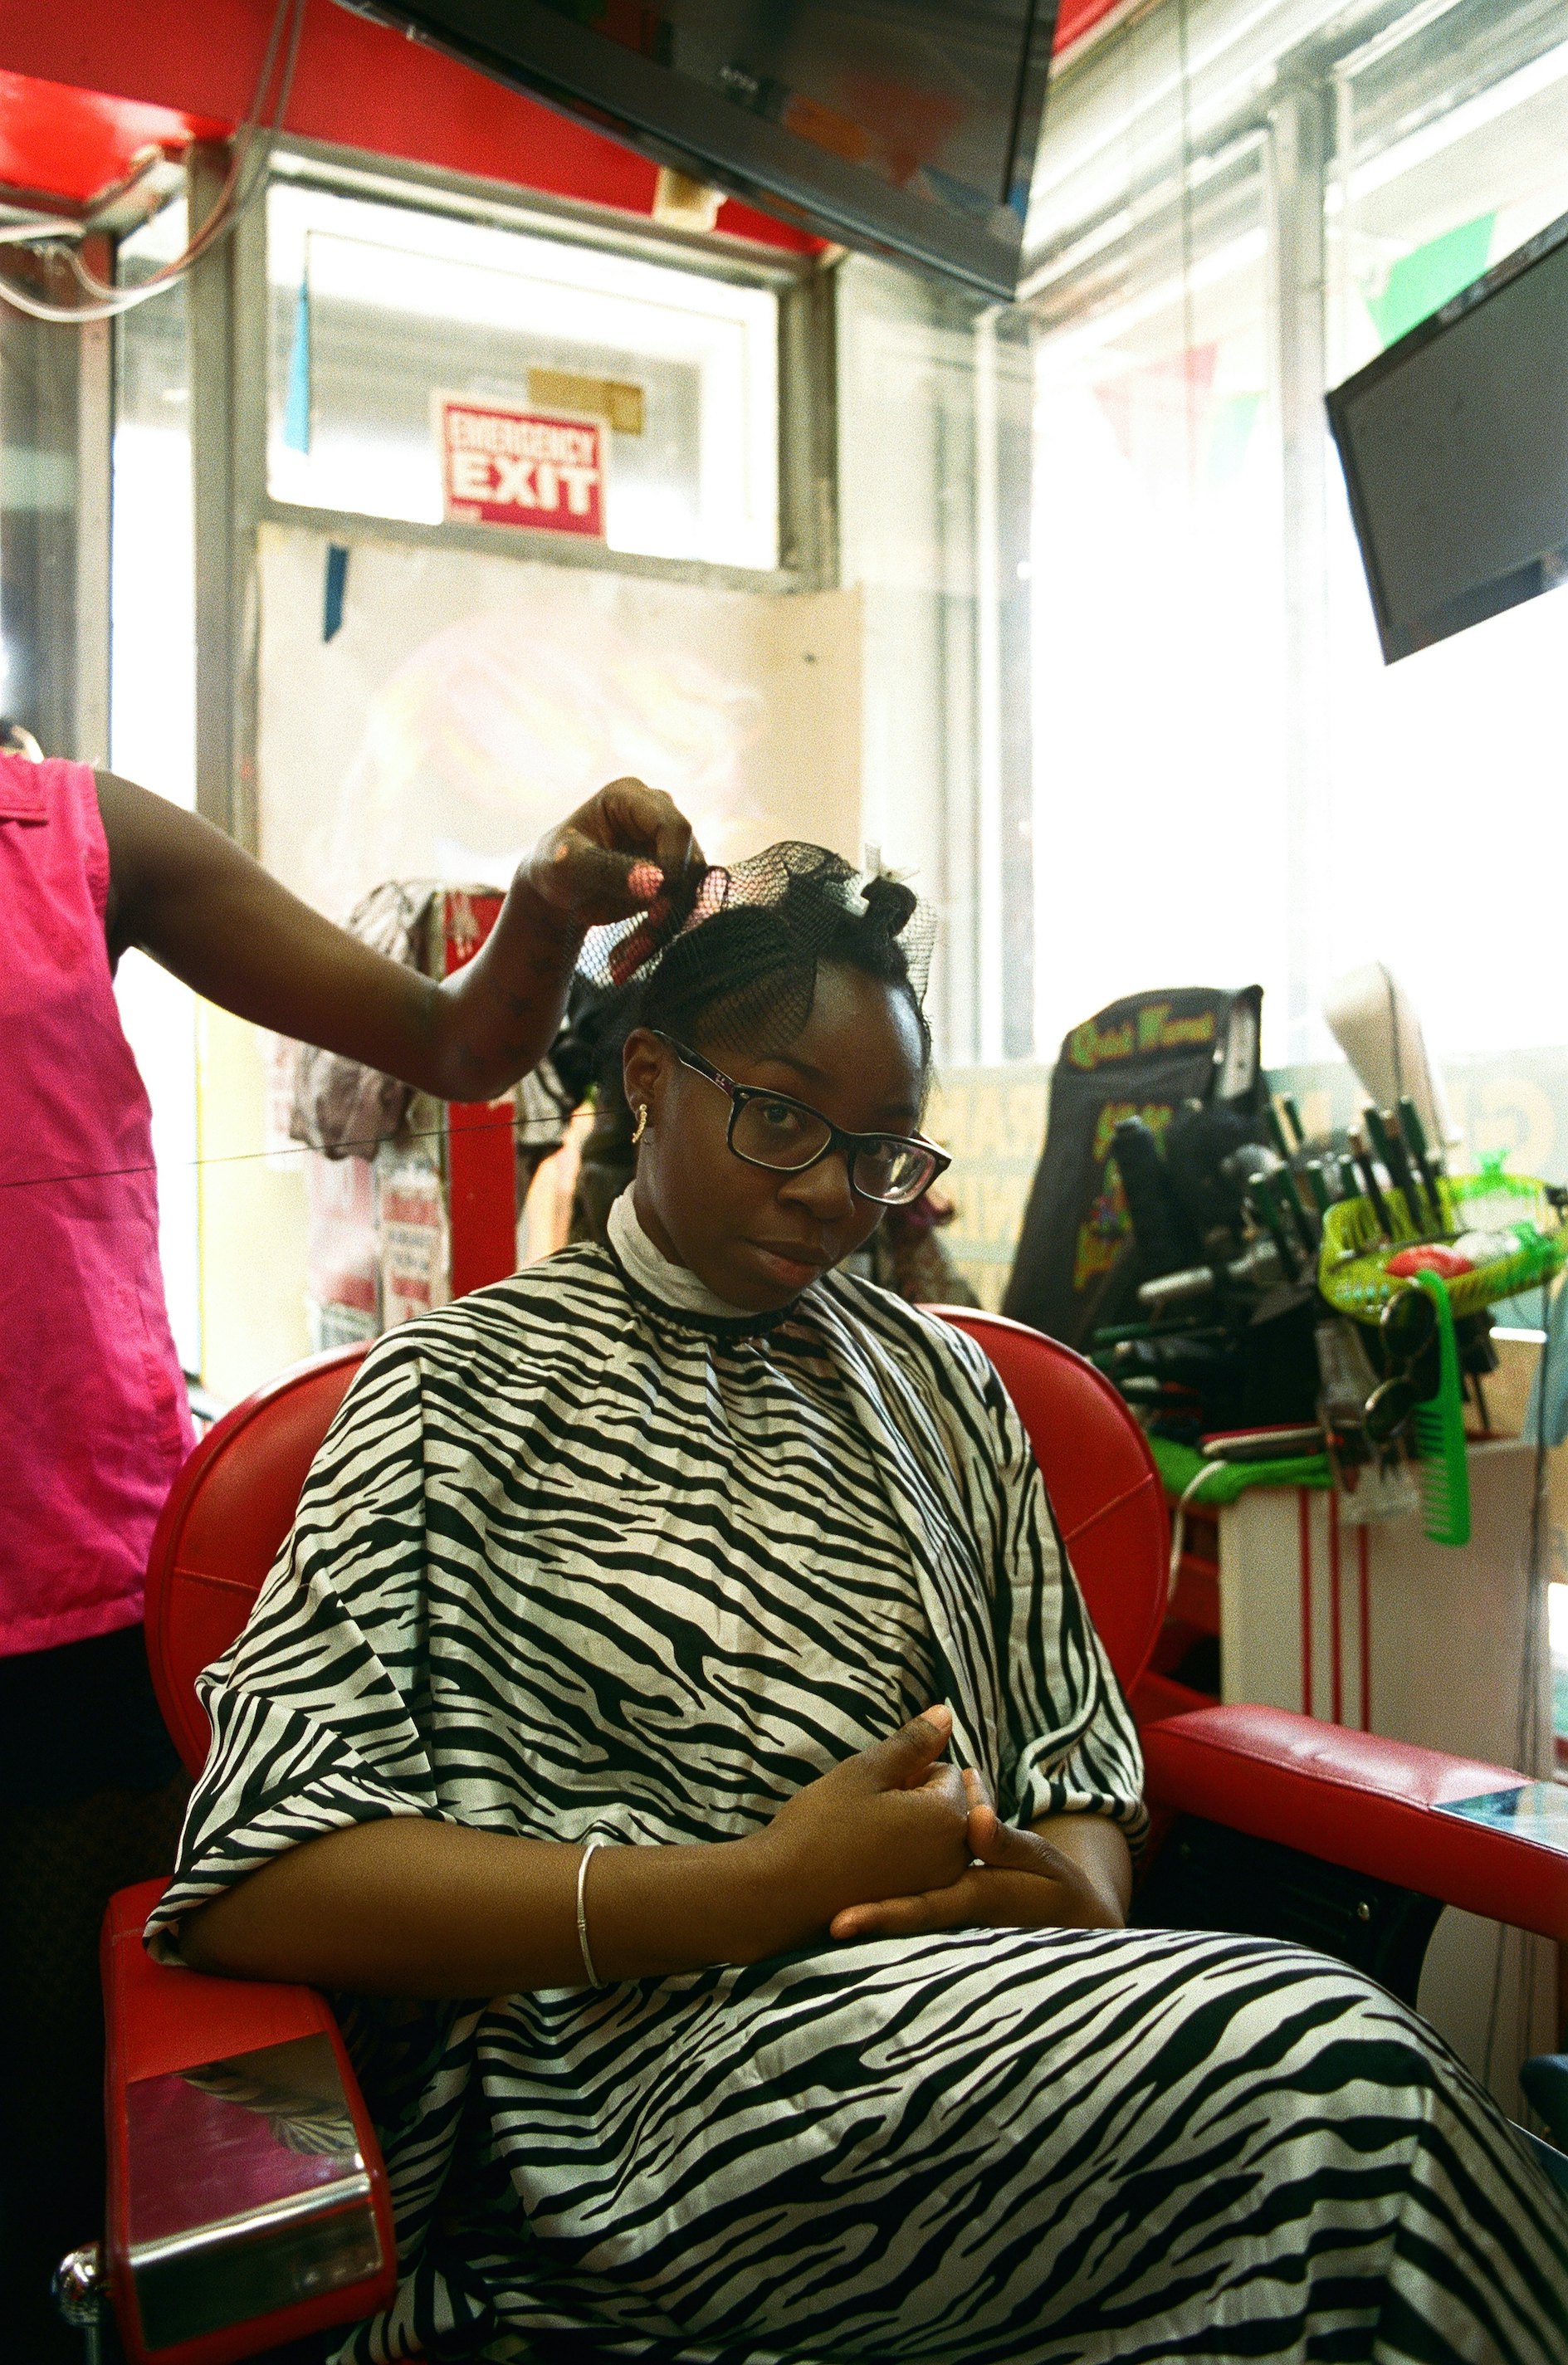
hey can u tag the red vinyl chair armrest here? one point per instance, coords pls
(1355, 1800)
(247, 2201)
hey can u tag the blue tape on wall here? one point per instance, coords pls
(336, 585)
(297, 408)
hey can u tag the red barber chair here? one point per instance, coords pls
(247, 2202)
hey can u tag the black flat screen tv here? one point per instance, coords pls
(909, 126)
(1455, 450)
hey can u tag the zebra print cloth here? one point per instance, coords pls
(576, 1561)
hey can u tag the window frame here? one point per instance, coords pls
(230, 320)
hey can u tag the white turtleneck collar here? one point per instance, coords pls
(675, 1285)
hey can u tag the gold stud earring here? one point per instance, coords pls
(640, 1128)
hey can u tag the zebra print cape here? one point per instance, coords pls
(576, 1562)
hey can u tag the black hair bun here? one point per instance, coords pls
(891, 903)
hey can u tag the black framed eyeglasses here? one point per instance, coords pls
(786, 1137)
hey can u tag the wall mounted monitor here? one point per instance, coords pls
(1455, 450)
(908, 127)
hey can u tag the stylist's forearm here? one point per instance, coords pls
(405, 1907)
(498, 1016)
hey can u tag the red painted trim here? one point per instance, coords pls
(1336, 1654)
(481, 1140)
(83, 91)
(481, 1177)
(1076, 18)
(75, 144)
(1303, 1530)
(358, 86)
(1364, 1590)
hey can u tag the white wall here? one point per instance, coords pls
(470, 701)
(466, 703)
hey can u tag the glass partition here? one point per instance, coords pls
(1219, 234)
(1159, 771)
(1453, 150)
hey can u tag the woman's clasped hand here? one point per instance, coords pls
(892, 1843)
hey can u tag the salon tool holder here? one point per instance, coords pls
(1303, 1246)
(1495, 1234)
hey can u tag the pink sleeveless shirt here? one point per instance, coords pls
(94, 1419)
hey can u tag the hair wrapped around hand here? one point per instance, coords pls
(735, 965)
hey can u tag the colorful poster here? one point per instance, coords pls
(501, 465)
(411, 1222)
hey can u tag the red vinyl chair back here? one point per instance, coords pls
(234, 1501)
(1099, 1475)
(231, 1506)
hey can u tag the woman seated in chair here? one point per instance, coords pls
(674, 1725)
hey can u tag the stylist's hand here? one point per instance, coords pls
(1018, 1882)
(627, 849)
(888, 1818)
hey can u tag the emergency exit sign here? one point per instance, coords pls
(502, 465)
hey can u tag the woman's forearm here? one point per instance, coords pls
(405, 1907)
(1096, 1846)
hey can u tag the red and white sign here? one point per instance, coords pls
(504, 465)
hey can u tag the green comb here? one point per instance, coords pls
(1436, 1428)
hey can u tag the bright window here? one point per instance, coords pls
(1160, 792)
(1454, 150)
(377, 308)
(1229, 784)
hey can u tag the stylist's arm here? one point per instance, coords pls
(184, 893)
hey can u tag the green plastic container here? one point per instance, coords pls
(1352, 1270)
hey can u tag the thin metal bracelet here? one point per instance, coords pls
(591, 1975)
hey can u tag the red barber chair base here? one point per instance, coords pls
(248, 2204)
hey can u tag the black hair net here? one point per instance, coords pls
(732, 962)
